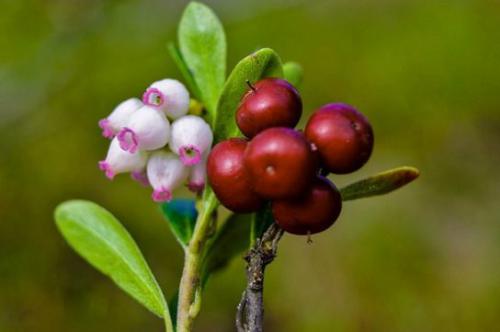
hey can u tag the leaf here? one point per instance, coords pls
(261, 221)
(263, 63)
(202, 43)
(181, 64)
(99, 238)
(172, 305)
(293, 73)
(181, 216)
(381, 183)
(230, 241)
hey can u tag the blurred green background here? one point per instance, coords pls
(426, 258)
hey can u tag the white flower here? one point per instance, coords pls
(165, 173)
(119, 161)
(118, 118)
(191, 137)
(147, 129)
(169, 96)
(197, 176)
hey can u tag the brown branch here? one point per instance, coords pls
(251, 306)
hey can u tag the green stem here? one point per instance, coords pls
(168, 322)
(188, 305)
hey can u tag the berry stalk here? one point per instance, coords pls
(250, 315)
(189, 287)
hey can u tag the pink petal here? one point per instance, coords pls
(106, 167)
(153, 97)
(189, 155)
(161, 195)
(128, 140)
(107, 131)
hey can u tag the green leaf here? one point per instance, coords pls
(381, 183)
(98, 237)
(181, 64)
(202, 44)
(261, 221)
(181, 216)
(263, 63)
(293, 73)
(231, 240)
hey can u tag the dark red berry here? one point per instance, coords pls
(271, 102)
(280, 163)
(343, 137)
(228, 179)
(312, 213)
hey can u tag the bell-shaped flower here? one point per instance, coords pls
(191, 138)
(147, 129)
(119, 161)
(119, 117)
(169, 96)
(165, 174)
(197, 177)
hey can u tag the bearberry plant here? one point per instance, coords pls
(231, 141)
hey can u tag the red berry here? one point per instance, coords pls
(228, 179)
(272, 102)
(343, 137)
(312, 213)
(280, 163)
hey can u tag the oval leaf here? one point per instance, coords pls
(202, 43)
(230, 241)
(181, 65)
(263, 63)
(99, 238)
(261, 221)
(181, 215)
(381, 183)
(293, 73)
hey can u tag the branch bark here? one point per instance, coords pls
(250, 313)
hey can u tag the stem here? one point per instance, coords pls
(252, 301)
(168, 322)
(189, 288)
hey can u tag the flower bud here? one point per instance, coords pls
(191, 138)
(197, 176)
(147, 129)
(165, 174)
(118, 118)
(119, 161)
(169, 96)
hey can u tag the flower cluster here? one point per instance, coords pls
(158, 153)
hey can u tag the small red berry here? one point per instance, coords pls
(343, 137)
(280, 163)
(271, 102)
(228, 179)
(312, 213)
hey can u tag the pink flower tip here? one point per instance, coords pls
(161, 195)
(196, 187)
(128, 140)
(140, 177)
(153, 97)
(107, 131)
(189, 155)
(106, 168)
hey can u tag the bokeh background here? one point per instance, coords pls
(426, 258)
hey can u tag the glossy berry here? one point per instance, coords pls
(312, 213)
(343, 137)
(280, 163)
(271, 102)
(228, 178)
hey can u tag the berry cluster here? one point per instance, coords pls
(285, 166)
(158, 153)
